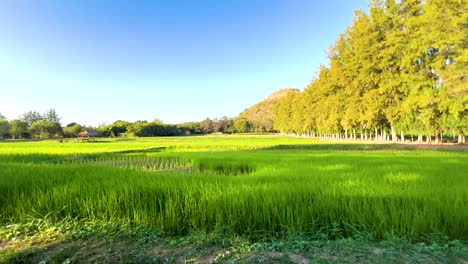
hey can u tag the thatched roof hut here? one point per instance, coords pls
(87, 133)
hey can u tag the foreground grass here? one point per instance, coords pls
(73, 242)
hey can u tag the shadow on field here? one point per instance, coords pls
(91, 250)
(146, 150)
(107, 140)
(125, 139)
(58, 252)
(342, 146)
(116, 153)
(372, 146)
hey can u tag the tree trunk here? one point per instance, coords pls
(437, 133)
(354, 134)
(428, 139)
(402, 136)
(346, 133)
(394, 134)
(461, 138)
(376, 134)
(420, 138)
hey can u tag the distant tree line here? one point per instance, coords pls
(34, 125)
(243, 125)
(400, 70)
(158, 128)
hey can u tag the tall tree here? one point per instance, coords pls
(4, 129)
(206, 126)
(51, 116)
(117, 128)
(400, 68)
(241, 125)
(18, 129)
(31, 117)
(445, 25)
(72, 130)
(283, 110)
(45, 129)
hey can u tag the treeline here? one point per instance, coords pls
(157, 128)
(34, 125)
(31, 124)
(400, 70)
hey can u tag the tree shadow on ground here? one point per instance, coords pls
(371, 147)
(337, 146)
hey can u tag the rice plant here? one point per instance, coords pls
(267, 187)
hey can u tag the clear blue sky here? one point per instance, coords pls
(100, 61)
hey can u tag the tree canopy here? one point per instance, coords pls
(402, 67)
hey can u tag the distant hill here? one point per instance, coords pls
(260, 115)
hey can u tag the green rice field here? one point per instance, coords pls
(253, 186)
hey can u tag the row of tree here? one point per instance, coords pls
(42, 126)
(157, 128)
(399, 70)
(32, 124)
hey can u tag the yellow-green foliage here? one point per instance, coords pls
(246, 184)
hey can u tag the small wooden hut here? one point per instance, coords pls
(88, 134)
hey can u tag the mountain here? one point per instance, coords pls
(260, 115)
